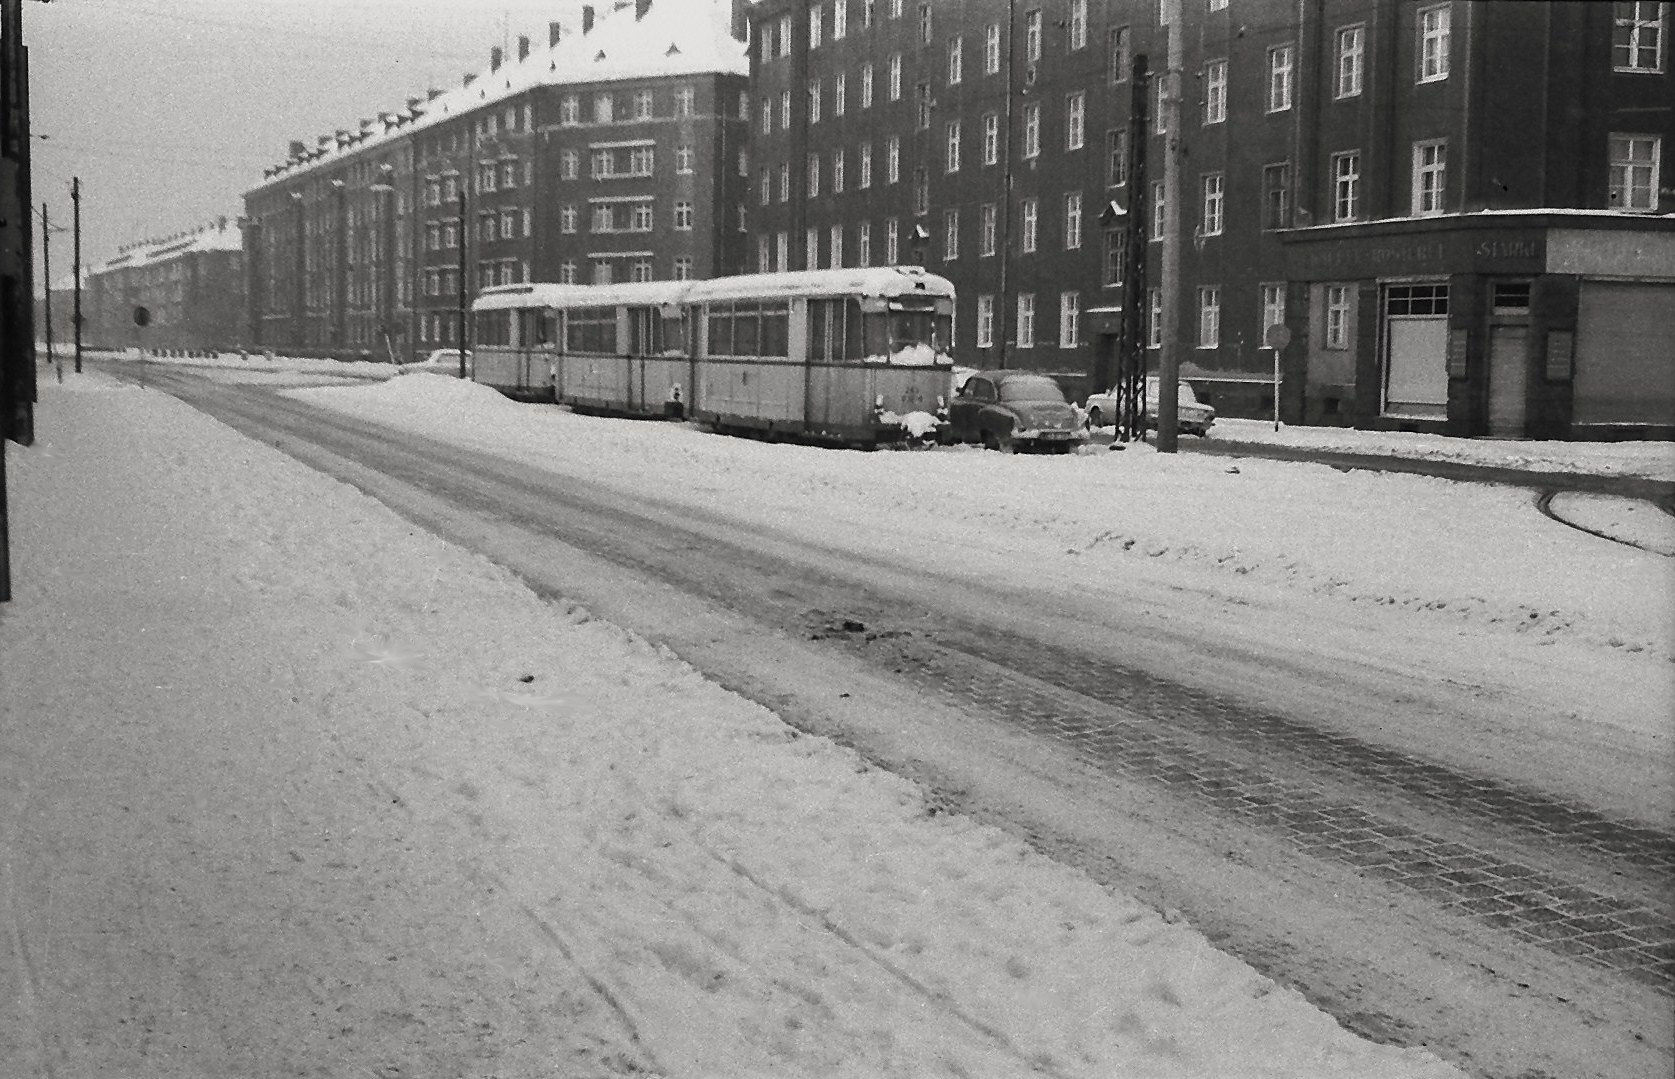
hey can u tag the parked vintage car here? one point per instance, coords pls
(1193, 416)
(1014, 410)
(442, 361)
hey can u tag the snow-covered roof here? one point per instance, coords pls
(885, 281)
(672, 38)
(218, 235)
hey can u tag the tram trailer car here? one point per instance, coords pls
(854, 357)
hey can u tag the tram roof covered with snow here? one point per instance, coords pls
(884, 282)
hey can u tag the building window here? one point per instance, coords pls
(767, 116)
(1029, 225)
(892, 160)
(921, 191)
(1279, 78)
(601, 271)
(1026, 320)
(1215, 94)
(1154, 318)
(1160, 205)
(1117, 62)
(987, 231)
(866, 165)
(1276, 195)
(866, 86)
(767, 184)
(1070, 319)
(1273, 307)
(811, 248)
(991, 138)
(1116, 257)
(569, 165)
(1430, 174)
(784, 35)
(1352, 54)
(570, 110)
(924, 23)
(782, 249)
(1637, 36)
(894, 86)
(991, 48)
(863, 244)
(956, 60)
(567, 272)
(1214, 189)
(835, 242)
(950, 235)
(1075, 120)
(567, 219)
(603, 110)
(1078, 29)
(683, 159)
(642, 105)
(785, 182)
(1209, 316)
(1116, 157)
(1634, 172)
(1032, 129)
(985, 320)
(840, 19)
(837, 170)
(813, 175)
(1072, 220)
(642, 270)
(922, 105)
(816, 24)
(1032, 36)
(892, 243)
(1337, 317)
(951, 142)
(814, 101)
(1346, 185)
(683, 269)
(1433, 43)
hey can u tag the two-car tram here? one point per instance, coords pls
(843, 356)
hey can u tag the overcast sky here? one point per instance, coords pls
(169, 110)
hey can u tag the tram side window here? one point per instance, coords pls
(494, 327)
(591, 329)
(674, 334)
(721, 329)
(534, 329)
(776, 329)
(747, 330)
(834, 330)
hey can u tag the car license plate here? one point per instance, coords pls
(1055, 434)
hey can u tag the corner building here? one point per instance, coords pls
(1459, 211)
(613, 153)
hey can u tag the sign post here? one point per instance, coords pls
(1277, 337)
(142, 319)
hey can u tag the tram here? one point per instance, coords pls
(852, 356)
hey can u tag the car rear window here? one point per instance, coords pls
(1031, 389)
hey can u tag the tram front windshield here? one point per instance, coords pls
(917, 337)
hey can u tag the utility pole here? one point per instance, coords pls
(465, 179)
(46, 271)
(1169, 362)
(75, 320)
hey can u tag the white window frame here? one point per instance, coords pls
(1433, 25)
(1430, 177)
(811, 169)
(866, 86)
(1026, 320)
(1029, 225)
(1032, 130)
(1215, 94)
(991, 49)
(838, 161)
(1209, 316)
(1154, 318)
(1032, 36)
(811, 248)
(1351, 51)
(1070, 319)
(1273, 306)
(986, 320)
(1213, 186)
(1337, 317)
(863, 244)
(1626, 164)
(893, 88)
(951, 147)
(1282, 69)
(834, 240)
(988, 230)
(1075, 120)
(1078, 29)
(1160, 206)
(892, 242)
(1634, 28)
(892, 160)
(950, 235)
(840, 92)
(866, 166)
(956, 59)
(1072, 220)
(991, 138)
(1346, 185)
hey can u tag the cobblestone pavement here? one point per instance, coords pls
(1388, 815)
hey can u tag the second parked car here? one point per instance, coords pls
(1014, 410)
(1192, 416)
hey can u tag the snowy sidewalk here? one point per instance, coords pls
(293, 786)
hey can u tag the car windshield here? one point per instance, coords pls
(1031, 388)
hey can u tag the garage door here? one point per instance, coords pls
(1625, 354)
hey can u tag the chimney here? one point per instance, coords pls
(470, 77)
(741, 20)
(297, 149)
(640, 9)
(494, 58)
(523, 47)
(554, 32)
(587, 18)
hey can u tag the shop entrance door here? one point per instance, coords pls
(1508, 380)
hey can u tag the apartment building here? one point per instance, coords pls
(1458, 210)
(612, 152)
(190, 284)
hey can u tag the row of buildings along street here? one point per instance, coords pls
(1458, 210)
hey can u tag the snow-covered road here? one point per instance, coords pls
(638, 872)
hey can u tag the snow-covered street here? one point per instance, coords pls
(295, 787)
